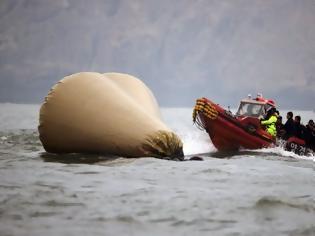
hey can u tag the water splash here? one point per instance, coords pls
(279, 151)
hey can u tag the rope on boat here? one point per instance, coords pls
(205, 108)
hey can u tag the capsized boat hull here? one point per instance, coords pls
(229, 132)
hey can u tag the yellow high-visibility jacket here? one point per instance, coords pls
(271, 125)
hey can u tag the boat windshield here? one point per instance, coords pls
(250, 109)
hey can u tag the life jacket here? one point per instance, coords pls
(271, 125)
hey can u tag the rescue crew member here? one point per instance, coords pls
(289, 126)
(280, 127)
(299, 129)
(270, 122)
(309, 135)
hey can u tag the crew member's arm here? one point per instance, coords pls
(271, 120)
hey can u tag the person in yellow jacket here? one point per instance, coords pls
(270, 122)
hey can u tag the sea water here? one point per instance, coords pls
(251, 192)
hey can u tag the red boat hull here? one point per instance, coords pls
(228, 132)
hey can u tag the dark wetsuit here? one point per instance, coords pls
(280, 129)
(309, 137)
(289, 128)
(299, 130)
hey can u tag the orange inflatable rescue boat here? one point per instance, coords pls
(232, 132)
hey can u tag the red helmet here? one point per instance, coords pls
(271, 102)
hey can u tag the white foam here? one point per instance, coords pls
(279, 150)
(197, 143)
(195, 140)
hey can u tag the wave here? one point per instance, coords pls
(274, 202)
(279, 151)
(195, 143)
(20, 137)
(199, 144)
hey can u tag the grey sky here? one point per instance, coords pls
(182, 50)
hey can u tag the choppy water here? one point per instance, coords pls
(261, 192)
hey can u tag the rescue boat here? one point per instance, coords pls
(298, 146)
(230, 132)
